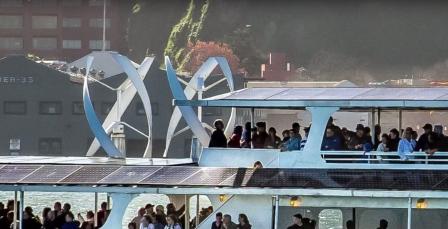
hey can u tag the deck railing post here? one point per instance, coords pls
(252, 122)
(197, 210)
(15, 210)
(95, 218)
(22, 200)
(409, 213)
(277, 200)
(187, 213)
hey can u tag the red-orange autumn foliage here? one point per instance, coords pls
(200, 51)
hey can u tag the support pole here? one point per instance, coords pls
(372, 127)
(400, 121)
(354, 217)
(96, 210)
(378, 118)
(252, 122)
(277, 200)
(104, 25)
(22, 201)
(108, 201)
(15, 210)
(409, 213)
(197, 210)
(187, 213)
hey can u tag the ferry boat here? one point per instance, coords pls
(357, 186)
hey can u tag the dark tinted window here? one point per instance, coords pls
(50, 146)
(50, 108)
(14, 107)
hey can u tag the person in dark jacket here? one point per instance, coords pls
(274, 141)
(422, 143)
(246, 137)
(394, 139)
(218, 139)
(331, 141)
(359, 141)
(234, 141)
(260, 139)
(383, 224)
(29, 220)
(217, 224)
(436, 143)
(297, 222)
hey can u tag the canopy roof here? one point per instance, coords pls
(327, 97)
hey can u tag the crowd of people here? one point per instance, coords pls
(225, 222)
(404, 141)
(61, 217)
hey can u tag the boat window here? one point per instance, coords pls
(330, 219)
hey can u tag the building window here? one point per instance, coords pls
(98, 22)
(212, 111)
(14, 144)
(77, 108)
(50, 146)
(11, 21)
(330, 218)
(14, 107)
(50, 108)
(140, 110)
(45, 22)
(11, 43)
(106, 107)
(71, 44)
(71, 2)
(98, 44)
(11, 3)
(98, 2)
(71, 22)
(45, 43)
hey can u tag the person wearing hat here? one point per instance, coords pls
(218, 139)
(422, 143)
(358, 141)
(260, 139)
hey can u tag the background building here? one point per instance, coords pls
(41, 111)
(61, 29)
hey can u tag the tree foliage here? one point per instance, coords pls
(186, 31)
(200, 51)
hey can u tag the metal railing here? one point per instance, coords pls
(383, 157)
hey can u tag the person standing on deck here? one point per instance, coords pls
(260, 139)
(234, 141)
(394, 139)
(406, 144)
(218, 139)
(293, 142)
(297, 222)
(217, 224)
(422, 143)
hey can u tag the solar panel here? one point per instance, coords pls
(89, 174)
(129, 175)
(369, 179)
(210, 176)
(50, 174)
(170, 175)
(14, 173)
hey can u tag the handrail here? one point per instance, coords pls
(378, 157)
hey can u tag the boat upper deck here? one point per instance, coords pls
(405, 98)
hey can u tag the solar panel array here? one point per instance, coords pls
(193, 176)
